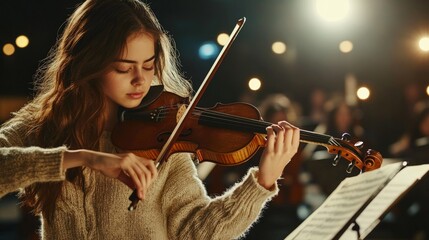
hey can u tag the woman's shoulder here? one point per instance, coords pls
(15, 129)
(23, 119)
(16, 123)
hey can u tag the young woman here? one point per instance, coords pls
(57, 148)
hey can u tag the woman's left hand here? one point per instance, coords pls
(282, 144)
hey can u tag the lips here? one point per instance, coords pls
(136, 95)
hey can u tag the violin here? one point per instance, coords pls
(226, 134)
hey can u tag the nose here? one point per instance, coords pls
(138, 78)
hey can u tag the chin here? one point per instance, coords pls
(131, 105)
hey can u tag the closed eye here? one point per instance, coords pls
(149, 68)
(123, 71)
(123, 68)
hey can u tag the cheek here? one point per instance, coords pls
(149, 76)
(110, 84)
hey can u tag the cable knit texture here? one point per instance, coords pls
(176, 205)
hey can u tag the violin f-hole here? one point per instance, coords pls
(164, 136)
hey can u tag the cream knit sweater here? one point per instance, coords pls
(176, 205)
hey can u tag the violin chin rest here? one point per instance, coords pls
(153, 94)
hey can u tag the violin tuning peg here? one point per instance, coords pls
(336, 159)
(359, 144)
(346, 136)
(350, 167)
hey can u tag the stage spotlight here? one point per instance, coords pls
(255, 84)
(363, 93)
(332, 10)
(222, 39)
(208, 50)
(346, 46)
(278, 47)
(424, 44)
(8, 49)
(22, 41)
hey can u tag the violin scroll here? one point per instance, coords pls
(372, 160)
(352, 151)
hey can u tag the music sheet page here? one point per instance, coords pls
(371, 216)
(350, 195)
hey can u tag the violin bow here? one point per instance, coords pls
(164, 153)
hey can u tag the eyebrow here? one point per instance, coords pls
(132, 61)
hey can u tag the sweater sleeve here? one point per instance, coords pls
(21, 166)
(193, 215)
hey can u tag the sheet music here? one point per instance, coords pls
(370, 217)
(343, 203)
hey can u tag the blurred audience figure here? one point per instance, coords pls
(280, 217)
(278, 107)
(340, 118)
(343, 118)
(315, 112)
(410, 215)
(414, 143)
(413, 95)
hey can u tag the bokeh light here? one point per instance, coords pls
(332, 10)
(255, 84)
(346, 46)
(222, 39)
(22, 41)
(363, 93)
(8, 49)
(424, 44)
(278, 47)
(208, 50)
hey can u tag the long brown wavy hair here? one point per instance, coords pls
(69, 104)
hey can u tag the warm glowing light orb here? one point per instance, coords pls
(346, 46)
(363, 93)
(222, 39)
(8, 49)
(254, 84)
(278, 47)
(22, 41)
(424, 44)
(427, 90)
(332, 10)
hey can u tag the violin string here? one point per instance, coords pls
(219, 117)
(333, 141)
(258, 124)
(254, 124)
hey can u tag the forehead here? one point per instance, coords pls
(139, 46)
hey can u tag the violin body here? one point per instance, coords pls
(226, 134)
(209, 137)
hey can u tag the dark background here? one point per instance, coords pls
(385, 56)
